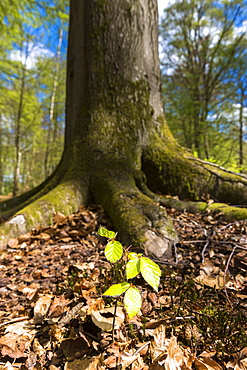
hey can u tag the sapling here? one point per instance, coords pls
(137, 264)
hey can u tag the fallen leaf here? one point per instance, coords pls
(58, 306)
(209, 363)
(74, 348)
(104, 318)
(13, 242)
(58, 217)
(240, 361)
(87, 363)
(41, 308)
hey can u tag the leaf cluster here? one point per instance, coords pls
(137, 264)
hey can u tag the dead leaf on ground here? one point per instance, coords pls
(86, 363)
(104, 318)
(41, 308)
(240, 362)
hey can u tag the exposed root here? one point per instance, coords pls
(170, 171)
(65, 197)
(140, 221)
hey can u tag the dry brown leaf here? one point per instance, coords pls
(240, 362)
(105, 322)
(15, 345)
(199, 365)
(58, 306)
(13, 242)
(74, 348)
(58, 217)
(87, 363)
(158, 344)
(30, 292)
(127, 359)
(41, 308)
(112, 361)
(21, 328)
(209, 363)
(38, 349)
(24, 238)
(213, 282)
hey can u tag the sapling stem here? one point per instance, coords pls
(114, 319)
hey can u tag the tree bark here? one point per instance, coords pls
(118, 148)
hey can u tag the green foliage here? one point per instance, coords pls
(136, 265)
(117, 289)
(204, 67)
(113, 251)
(132, 301)
(106, 233)
(32, 90)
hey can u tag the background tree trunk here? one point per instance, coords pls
(117, 143)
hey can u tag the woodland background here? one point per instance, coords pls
(204, 67)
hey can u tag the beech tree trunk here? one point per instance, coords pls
(118, 148)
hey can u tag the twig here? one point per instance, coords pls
(5, 302)
(226, 269)
(232, 223)
(175, 253)
(136, 352)
(13, 365)
(114, 319)
(14, 320)
(204, 248)
(209, 240)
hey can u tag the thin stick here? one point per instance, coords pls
(114, 319)
(14, 320)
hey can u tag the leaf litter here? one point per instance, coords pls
(53, 315)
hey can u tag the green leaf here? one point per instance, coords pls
(132, 301)
(106, 233)
(117, 289)
(150, 272)
(132, 255)
(113, 251)
(133, 268)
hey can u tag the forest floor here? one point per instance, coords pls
(53, 315)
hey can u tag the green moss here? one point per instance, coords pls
(228, 213)
(131, 212)
(65, 198)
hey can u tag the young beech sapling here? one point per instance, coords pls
(137, 264)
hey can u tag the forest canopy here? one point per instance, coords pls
(204, 69)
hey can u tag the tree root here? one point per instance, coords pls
(65, 197)
(140, 221)
(169, 170)
(125, 194)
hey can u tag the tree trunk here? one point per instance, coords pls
(241, 130)
(52, 105)
(17, 167)
(117, 144)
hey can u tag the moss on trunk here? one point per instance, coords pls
(116, 134)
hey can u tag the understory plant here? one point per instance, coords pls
(136, 264)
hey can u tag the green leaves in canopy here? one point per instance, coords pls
(113, 251)
(132, 301)
(117, 289)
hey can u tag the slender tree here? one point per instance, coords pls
(52, 103)
(117, 143)
(201, 42)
